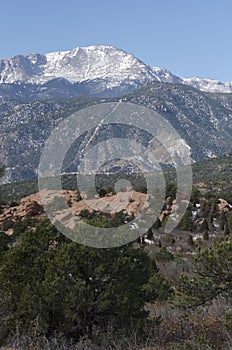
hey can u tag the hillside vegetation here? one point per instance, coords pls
(162, 291)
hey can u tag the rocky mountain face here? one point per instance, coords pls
(103, 71)
(80, 64)
(97, 70)
(40, 90)
(210, 85)
(31, 206)
(203, 120)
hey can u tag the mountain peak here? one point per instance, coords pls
(114, 68)
(77, 65)
(210, 85)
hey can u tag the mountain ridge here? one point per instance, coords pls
(29, 111)
(202, 120)
(117, 70)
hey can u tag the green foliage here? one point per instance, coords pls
(18, 226)
(119, 218)
(105, 219)
(85, 213)
(200, 343)
(5, 242)
(171, 191)
(212, 278)
(64, 288)
(102, 192)
(149, 234)
(228, 322)
(204, 210)
(195, 195)
(190, 241)
(229, 221)
(164, 255)
(186, 223)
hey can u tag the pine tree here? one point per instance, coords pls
(212, 278)
(75, 290)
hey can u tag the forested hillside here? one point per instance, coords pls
(162, 291)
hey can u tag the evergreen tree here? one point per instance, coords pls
(229, 221)
(212, 277)
(187, 222)
(65, 288)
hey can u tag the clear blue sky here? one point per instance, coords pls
(188, 37)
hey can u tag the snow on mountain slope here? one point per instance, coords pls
(113, 67)
(209, 85)
(164, 76)
(80, 64)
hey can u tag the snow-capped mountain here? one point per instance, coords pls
(46, 82)
(209, 85)
(202, 120)
(95, 70)
(164, 76)
(78, 65)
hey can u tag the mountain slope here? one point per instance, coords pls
(203, 120)
(94, 70)
(210, 85)
(112, 66)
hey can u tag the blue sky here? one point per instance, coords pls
(188, 37)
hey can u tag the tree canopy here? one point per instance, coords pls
(58, 286)
(212, 277)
